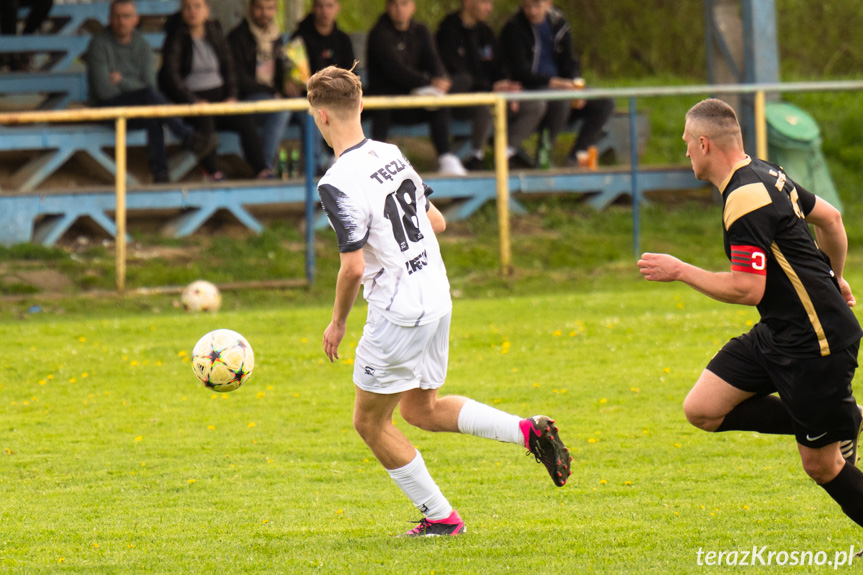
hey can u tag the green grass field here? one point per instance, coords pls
(116, 460)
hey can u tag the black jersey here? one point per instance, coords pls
(766, 233)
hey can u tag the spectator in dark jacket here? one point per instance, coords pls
(326, 45)
(197, 66)
(120, 72)
(538, 49)
(472, 56)
(256, 44)
(402, 60)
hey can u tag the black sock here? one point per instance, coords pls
(762, 414)
(847, 490)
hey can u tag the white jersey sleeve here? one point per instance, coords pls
(375, 201)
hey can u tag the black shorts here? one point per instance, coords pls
(816, 391)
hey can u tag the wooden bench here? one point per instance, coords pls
(66, 44)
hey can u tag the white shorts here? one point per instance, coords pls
(393, 358)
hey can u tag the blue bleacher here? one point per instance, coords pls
(29, 213)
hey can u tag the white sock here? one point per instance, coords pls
(483, 421)
(415, 480)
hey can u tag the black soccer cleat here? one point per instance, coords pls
(452, 525)
(543, 442)
(848, 447)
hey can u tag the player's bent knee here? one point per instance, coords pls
(697, 417)
(821, 470)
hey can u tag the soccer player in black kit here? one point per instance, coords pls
(805, 345)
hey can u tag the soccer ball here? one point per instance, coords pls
(223, 360)
(201, 295)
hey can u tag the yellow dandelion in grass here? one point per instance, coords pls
(214, 396)
(269, 388)
(603, 400)
(50, 376)
(192, 481)
(680, 305)
(42, 382)
(130, 545)
(134, 362)
(296, 395)
(265, 521)
(746, 507)
(211, 427)
(635, 389)
(304, 340)
(7, 451)
(666, 369)
(677, 445)
(143, 464)
(125, 357)
(497, 400)
(95, 545)
(61, 560)
(556, 333)
(573, 333)
(555, 391)
(82, 339)
(159, 362)
(252, 424)
(72, 380)
(535, 385)
(592, 440)
(85, 375)
(603, 481)
(645, 431)
(340, 511)
(260, 395)
(181, 353)
(627, 482)
(139, 438)
(269, 460)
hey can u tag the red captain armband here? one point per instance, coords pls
(748, 259)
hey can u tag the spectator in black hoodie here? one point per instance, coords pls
(326, 45)
(472, 56)
(197, 66)
(538, 50)
(256, 44)
(402, 60)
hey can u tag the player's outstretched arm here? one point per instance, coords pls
(833, 241)
(436, 218)
(729, 287)
(347, 288)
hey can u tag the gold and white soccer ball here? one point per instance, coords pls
(201, 295)
(223, 360)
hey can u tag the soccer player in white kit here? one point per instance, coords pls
(385, 225)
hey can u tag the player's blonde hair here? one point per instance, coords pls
(714, 119)
(337, 89)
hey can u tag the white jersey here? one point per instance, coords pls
(375, 201)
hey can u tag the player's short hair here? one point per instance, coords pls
(336, 89)
(714, 119)
(117, 2)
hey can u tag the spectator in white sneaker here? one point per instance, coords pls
(402, 60)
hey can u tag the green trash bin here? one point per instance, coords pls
(794, 142)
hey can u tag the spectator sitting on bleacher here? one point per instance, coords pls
(326, 45)
(120, 72)
(39, 10)
(197, 66)
(402, 59)
(256, 44)
(538, 49)
(470, 52)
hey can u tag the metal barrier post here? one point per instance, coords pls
(636, 194)
(501, 168)
(120, 213)
(311, 161)
(760, 126)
